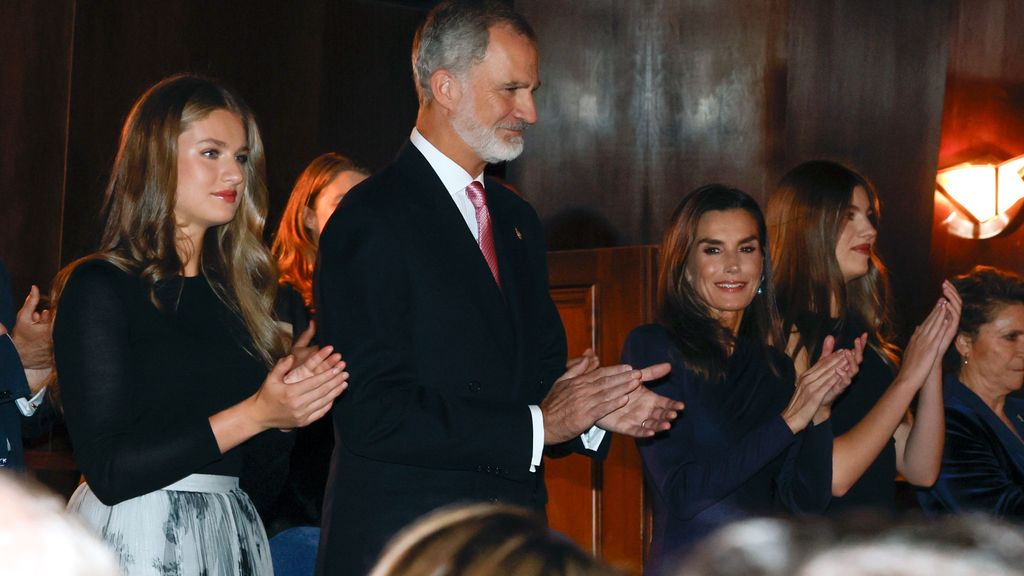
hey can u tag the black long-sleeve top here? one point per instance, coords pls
(730, 454)
(139, 383)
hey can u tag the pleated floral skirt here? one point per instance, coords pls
(201, 525)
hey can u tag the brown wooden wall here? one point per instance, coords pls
(35, 69)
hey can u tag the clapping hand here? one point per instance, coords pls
(295, 396)
(829, 376)
(32, 334)
(586, 395)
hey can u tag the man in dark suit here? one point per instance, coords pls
(25, 362)
(432, 282)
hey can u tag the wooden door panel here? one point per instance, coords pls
(601, 295)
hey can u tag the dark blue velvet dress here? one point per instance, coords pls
(983, 461)
(730, 455)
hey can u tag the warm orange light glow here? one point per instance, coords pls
(982, 194)
(973, 186)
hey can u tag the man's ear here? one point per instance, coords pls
(446, 88)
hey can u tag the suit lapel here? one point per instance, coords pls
(452, 247)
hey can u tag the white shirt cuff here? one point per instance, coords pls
(537, 417)
(28, 406)
(592, 438)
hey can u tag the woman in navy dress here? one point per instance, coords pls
(983, 460)
(823, 221)
(749, 441)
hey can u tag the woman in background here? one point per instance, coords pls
(983, 460)
(313, 199)
(822, 221)
(164, 338)
(750, 442)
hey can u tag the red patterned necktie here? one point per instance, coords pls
(476, 194)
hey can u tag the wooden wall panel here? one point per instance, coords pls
(270, 52)
(643, 101)
(368, 99)
(35, 44)
(602, 295)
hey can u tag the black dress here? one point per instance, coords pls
(138, 385)
(876, 488)
(298, 500)
(730, 454)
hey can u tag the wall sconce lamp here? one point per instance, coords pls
(983, 197)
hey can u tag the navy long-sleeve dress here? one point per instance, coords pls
(730, 455)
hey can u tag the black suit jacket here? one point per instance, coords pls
(12, 382)
(443, 364)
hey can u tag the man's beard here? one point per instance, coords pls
(484, 140)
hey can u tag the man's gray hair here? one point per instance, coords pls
(454, 37)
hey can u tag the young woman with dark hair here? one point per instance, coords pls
(823, 220)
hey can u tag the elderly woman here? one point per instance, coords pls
(983, 461)
(754, 438)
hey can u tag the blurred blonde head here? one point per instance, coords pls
(482, 540)
(38, 537)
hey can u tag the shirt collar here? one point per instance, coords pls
(454, 178)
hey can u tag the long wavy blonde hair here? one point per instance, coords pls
(295, 245)
(140, 231)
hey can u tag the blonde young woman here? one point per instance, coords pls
(822, 222)
(169, 358)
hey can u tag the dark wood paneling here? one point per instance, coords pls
(865, 86)
(643, 101)
(602, 295)
(35, 44)
(270, 52)
(368, 97)
(983, 117)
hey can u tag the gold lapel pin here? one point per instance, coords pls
(519, 235)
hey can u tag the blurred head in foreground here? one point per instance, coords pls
(484, 539)
(38, 537)
(969, 545)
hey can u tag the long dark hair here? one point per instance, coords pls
(805, 218)
(703, 342)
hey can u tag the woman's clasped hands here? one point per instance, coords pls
(295, 396)
(819, 386)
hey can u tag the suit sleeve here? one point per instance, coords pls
(91, 347)
(973, 476)
(366, 305)
(13, 383)
(688, 480)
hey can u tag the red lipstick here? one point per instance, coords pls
(229, 195)
(864, 249)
